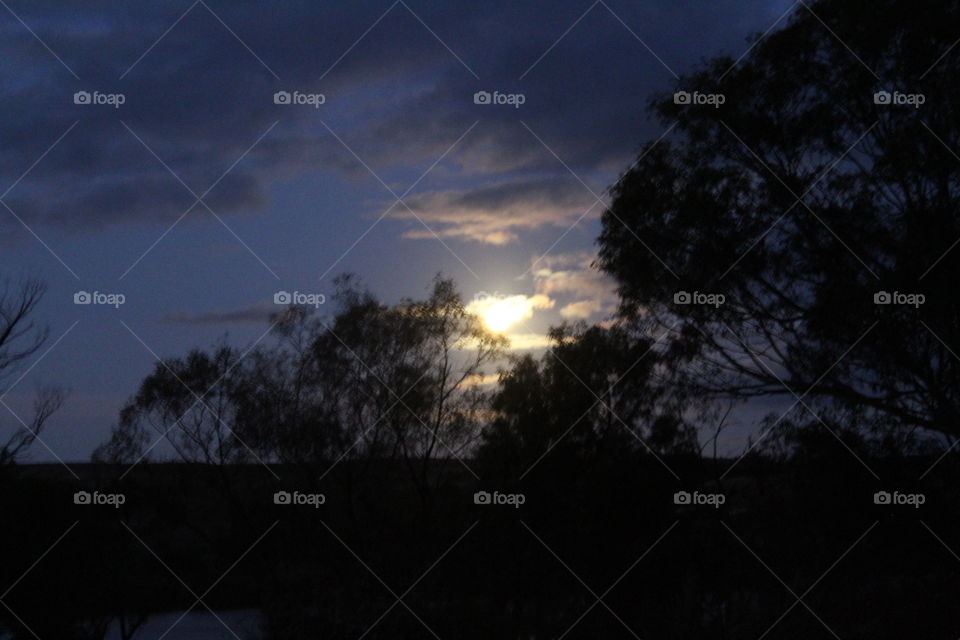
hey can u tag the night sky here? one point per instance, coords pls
(199, 197)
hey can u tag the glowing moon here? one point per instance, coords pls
(501, 315)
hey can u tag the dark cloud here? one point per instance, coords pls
(254, 314)
(399, 98)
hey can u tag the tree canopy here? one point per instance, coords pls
(820, 199)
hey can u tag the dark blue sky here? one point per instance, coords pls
(100, 196)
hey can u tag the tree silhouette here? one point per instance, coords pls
(817, 185)
(191, 403)
(21, 337)
(375, 381)
(589, 399)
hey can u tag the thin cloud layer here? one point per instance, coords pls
(256, 314)
(496, 213)
(528, 341)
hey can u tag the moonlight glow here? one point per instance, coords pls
(503, 314)
(500, 313)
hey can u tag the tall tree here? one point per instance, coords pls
(817, 196)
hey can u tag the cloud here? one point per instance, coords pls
(571, 276)
(528, 341)
(582, 310)
(200, 99)
(255, 314)
(495, 213)
(477, 380)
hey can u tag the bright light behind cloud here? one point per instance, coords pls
(527, 341)
(499, 313)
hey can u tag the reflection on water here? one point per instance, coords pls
(199, 624)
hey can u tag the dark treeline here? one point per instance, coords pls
(598, 470)
(792, 241)
(601, 518)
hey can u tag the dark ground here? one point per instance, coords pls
(798, 550)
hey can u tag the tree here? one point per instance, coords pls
(20, 338)
(400, 379)
(589, 399)
(190, 402)
(818, 184)
(375, 381)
